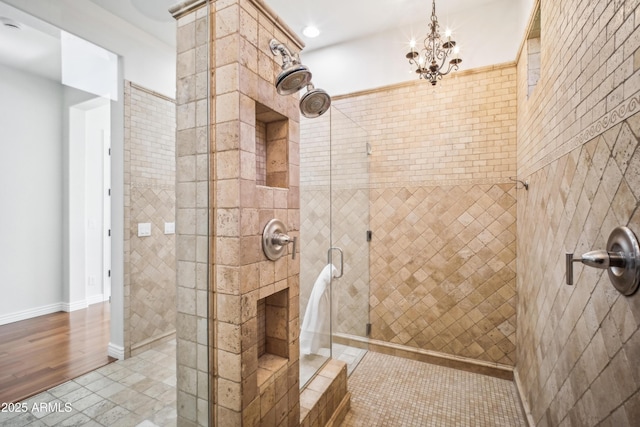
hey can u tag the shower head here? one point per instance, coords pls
(315, 102)
(294, 76)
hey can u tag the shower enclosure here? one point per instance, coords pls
(334, 229)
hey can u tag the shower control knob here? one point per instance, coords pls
(603, 259)
(621, 259)
(275, 240)
(281, 239)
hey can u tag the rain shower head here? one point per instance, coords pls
(315, 102)
(292, 79)
(294, 76)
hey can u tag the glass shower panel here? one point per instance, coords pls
(334, 255)
(315, 240)
(349, 237)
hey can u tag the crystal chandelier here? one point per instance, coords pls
(430, 61)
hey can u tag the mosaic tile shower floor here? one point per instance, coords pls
(392, 391)
(140, 391)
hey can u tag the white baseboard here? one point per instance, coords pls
(115, 351)
(29, 313)
(96, 299)
(51, 308)
(73, 306)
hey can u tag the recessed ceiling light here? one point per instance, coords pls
(311, 31)
(10, 23)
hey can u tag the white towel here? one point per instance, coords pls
(316, 326)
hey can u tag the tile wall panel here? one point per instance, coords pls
(150, 262)
(442, 210)
(578, 346)
(443, 266)
(153, 265)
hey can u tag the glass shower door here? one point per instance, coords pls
(315, 240)
(350, 237)
(334, 220)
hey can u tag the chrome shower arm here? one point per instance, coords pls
(287, 57)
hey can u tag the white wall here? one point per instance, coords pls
(97, 121)
(83, 118)
(380, 60)
(51, 169)
(31, 192)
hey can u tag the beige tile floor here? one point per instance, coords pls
(140, 391)
(386, 391)
(392, 391)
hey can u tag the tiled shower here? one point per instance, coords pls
(453, 206)
(437, 185)
(438, 273)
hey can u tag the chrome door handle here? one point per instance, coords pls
(341, 259)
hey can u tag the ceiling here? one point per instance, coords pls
(338, 20)
(342, 20)
(34, 47)
(151, 16)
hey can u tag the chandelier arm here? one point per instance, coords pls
(452, 67)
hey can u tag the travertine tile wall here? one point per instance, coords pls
(325, 400)
(443, 263)
(245, 389)
(578, 347)
(150, 262)
(261, 153)
(442, 210)
(194, 307)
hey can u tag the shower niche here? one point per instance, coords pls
(273, 348)
(272, 152)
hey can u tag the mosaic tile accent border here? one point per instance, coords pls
(602, 124)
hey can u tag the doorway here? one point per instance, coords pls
(55, 251)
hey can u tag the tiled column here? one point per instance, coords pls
(256, 377)
(192, 215)
(253, 306)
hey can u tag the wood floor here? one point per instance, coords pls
(42, 352)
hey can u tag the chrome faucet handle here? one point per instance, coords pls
(569, 267)
(597, 259)
(621, 259)
(275, 240)
(282, 239)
